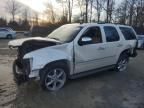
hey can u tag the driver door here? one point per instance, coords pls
(90, 55)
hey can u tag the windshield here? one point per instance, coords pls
(65, 33)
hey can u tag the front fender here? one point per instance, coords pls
(44, 56)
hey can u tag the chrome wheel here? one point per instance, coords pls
(122, 65)
(55, 79)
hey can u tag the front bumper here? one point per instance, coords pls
(21, 71)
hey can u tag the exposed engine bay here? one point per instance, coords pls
(21, 67)
(32, 45)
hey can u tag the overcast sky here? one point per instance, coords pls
(36, 5)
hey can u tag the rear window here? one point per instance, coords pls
(128, 33)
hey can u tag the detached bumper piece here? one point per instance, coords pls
(21, 70)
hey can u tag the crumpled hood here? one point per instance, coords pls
(19, 42)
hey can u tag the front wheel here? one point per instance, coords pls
(122, 62)
(53, 77)
(9, 36)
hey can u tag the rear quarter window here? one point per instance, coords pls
(128, 33)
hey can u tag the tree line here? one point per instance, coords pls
(130, 12)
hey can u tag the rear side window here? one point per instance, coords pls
(111, 34)
(128, 33)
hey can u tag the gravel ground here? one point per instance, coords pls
(103, 90)
(107, 89)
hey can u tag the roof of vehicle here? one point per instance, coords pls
(100, 24)
(8, 28)
(106, 24)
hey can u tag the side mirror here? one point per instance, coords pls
(85, 40)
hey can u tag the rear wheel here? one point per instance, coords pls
(53, 77)
(122, 62)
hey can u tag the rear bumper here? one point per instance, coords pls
(134, 53)
(140, 44)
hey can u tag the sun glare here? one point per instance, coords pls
(37, 5)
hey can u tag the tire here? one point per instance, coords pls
(9, 36)
(122, 62)
(53, 77)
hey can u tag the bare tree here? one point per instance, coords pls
(109, 10)
(131, 10)
(86, 10)
(121, 13)
(138, 17)
(80, 4)
(70, 6)
(91, 9)
(25, 14)
(124, 11)
(50, 12)
(12, 7)
(36, 19)
(3, 22)
(99, 6)
(64, 7)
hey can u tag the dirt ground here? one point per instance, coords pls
(107, 89)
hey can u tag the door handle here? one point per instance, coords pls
(119, 45)
(101, 48)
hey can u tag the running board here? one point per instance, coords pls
(90, 72)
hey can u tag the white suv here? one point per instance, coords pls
(7, 33)
(72, 51)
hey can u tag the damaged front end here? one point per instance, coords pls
(21, 66)
(21, 70)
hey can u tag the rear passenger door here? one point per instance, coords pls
(113, 43)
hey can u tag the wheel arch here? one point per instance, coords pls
(9, 35)
(64, 61)
(127, 51)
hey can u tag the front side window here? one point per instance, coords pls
(111, 34)
(94, 33)
(128, 33)
(3, 30)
